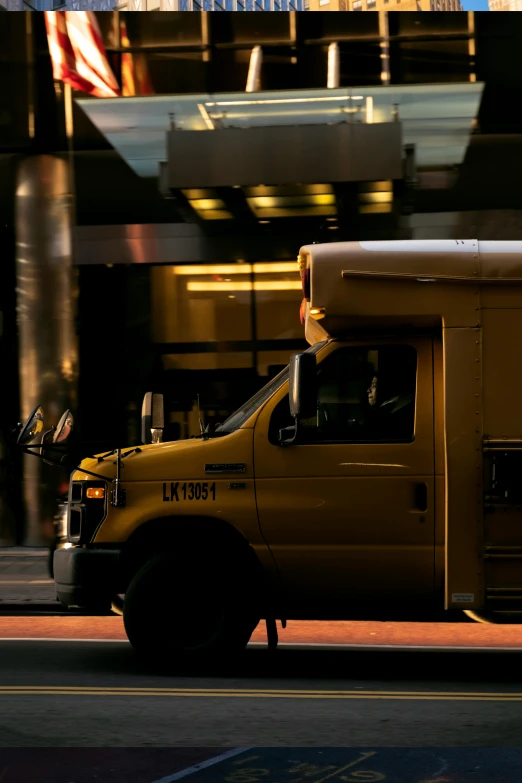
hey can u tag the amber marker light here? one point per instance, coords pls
(95, 493)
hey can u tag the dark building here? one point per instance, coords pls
(257, 133)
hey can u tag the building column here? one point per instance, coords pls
(334, 67)
(384, 36)
(46, 308)
(254, 70)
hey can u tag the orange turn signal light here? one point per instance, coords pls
(95, 493)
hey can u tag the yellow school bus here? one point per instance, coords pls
(378, 476)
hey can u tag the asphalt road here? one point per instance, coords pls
(65, 694)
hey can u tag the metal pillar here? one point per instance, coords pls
(254, 70)
(334, 66)
(46, 305)
(472, 46)
(384, 36)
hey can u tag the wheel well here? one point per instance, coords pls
(202, 534)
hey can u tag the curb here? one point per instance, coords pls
(28, 609)
(24, 551)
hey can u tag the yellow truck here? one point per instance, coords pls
(379, 475)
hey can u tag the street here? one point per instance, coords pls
(73, 693)
(73, 681)
(346, 702)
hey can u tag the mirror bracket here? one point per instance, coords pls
(289, 441)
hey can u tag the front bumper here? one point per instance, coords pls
(86, 578)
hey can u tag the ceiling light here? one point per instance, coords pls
(268, 285)
(273, 101)
(276, 267)
(207, 203)
(206, 118)
(379, 197)
(196, 193)
(374, 209)
(216, 269)
(268, 268)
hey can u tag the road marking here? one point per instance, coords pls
(204, 765)
(253, 693)
(336, 772)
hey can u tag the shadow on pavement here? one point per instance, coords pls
(114, 663)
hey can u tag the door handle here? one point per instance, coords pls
(421, 497)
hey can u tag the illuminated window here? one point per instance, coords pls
(200, 307)
(357, 5)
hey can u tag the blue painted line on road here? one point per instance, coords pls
(204, 765)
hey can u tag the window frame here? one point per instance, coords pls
(273, 428)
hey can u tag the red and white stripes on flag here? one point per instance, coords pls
(78, 54)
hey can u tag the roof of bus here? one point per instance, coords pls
(449, 259)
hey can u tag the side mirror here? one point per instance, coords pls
(303, 386)
(32, 427)
(152, 418)
(302, 395)
(64, 428)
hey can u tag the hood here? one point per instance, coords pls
(184, 459)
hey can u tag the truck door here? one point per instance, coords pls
(348, 511)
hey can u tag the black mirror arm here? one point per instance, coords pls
(59, 464)
(289, 441)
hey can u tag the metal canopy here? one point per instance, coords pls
(438, 119)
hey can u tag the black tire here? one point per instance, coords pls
(185, 612)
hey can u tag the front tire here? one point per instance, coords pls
(180, 611)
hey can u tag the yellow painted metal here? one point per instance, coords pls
(160, 472)
(341, 518)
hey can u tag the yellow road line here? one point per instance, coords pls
(59, 690)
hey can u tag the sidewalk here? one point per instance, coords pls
(25, 578)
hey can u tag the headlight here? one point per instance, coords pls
(87, 509)
(95, 493)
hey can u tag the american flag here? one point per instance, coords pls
(78, 54)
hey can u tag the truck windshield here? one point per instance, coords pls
(237, 419)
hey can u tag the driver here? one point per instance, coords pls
(390, 414)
